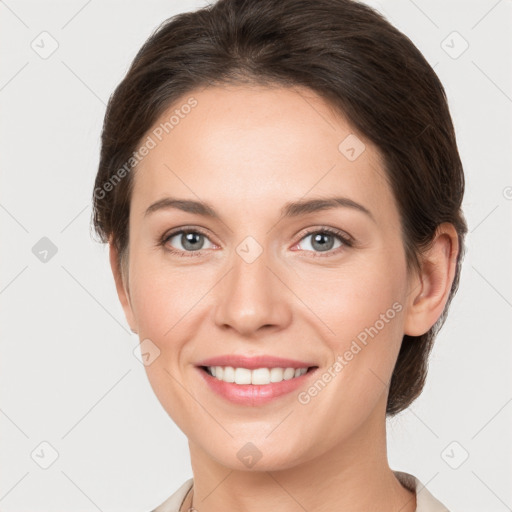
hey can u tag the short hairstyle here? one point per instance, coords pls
(349, 55)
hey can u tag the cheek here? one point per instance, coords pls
(365, 313)
(153, 299)
(165, 303)
(160, 298)
(170, 305)
(350, 300)
(364, 310)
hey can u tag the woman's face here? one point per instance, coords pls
(259, 276)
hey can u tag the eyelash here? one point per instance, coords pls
(345, 240)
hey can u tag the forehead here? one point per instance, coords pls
(244, 145)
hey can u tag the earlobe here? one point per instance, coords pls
(430, 289)
(121, 287)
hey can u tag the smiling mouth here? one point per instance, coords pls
(258, 376)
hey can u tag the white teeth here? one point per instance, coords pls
(289, 373)
(242, 376)
(229, 374)
(276, 374)
(259, 376)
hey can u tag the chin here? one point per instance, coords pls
(255, 456)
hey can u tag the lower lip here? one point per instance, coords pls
(252, 394)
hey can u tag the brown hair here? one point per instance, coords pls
(349, 55)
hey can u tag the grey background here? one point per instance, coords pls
(68, 375)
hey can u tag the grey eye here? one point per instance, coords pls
(322, 241)
(190, 240)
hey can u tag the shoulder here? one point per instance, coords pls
(173, 503)
(425, 502)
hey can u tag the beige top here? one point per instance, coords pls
(425, 502)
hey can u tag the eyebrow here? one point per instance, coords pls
(289, 210)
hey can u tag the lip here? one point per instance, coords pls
(253, 395)
(251, 363)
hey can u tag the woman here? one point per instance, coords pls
(307, 151)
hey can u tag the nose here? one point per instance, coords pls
(252, 297)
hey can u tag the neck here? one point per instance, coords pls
(353, 475)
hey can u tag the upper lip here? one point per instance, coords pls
(251, 363)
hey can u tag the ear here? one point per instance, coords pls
(430, 289)
(122, 286)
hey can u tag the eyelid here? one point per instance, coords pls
(183, 229)
(343, 235)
